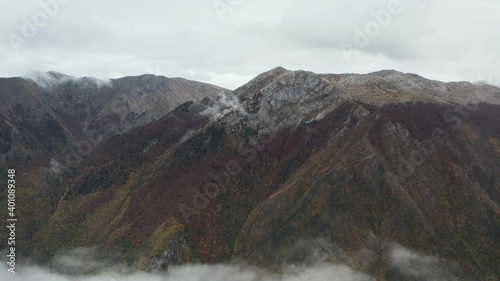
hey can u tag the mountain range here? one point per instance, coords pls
(291, 168)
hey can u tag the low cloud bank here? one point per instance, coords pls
(69, 266)
(194, 273)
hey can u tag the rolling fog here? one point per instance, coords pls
(408, 263)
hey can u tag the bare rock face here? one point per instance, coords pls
(360, 162)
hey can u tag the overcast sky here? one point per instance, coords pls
(228, 42)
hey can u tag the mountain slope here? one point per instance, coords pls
(360, 161)
(51, 122)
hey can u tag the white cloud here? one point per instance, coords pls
(51, 79)
(412, 265)
(82, 264)
(194, 273)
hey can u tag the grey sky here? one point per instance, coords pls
(228, 45)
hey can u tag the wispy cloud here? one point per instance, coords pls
(422, 267)
(223, 104)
